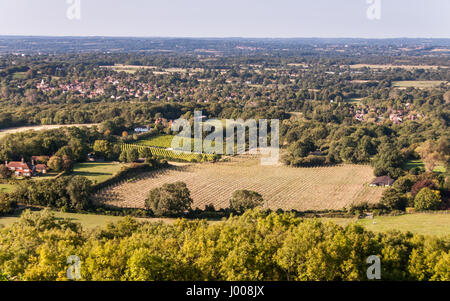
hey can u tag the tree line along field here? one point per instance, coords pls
(281, 187)
(168, 154)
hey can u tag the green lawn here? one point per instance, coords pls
(88, 221)
(418, 163)
(96, 171)
(6, 188)
(420, 223)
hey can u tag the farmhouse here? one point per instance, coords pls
(20, 169)
(384, 181)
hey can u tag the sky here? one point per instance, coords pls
(227, 18)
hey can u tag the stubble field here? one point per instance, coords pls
(281, 187)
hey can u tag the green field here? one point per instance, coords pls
(96, 171)
(420, 223)
(418, 163)
(88, 221)
(420, 84)
(158, 141)
(6, 188)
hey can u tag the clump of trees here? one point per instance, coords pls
(426, 191)
(67, 192)
(242, 200)
(169, 200)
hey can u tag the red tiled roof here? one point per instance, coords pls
(41, 166)
(18, 164)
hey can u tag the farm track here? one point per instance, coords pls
(282, 187)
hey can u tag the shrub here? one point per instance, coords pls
(393, 199)
(7, 205)
(427, 199)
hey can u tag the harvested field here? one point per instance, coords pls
(419, 84)
(282, 187)
(42, 128)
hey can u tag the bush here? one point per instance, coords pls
(242, 200)
(427, 199)
(394, 199)
(169, 200)
(422, 184)
(7, 205)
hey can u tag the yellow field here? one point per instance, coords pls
(419, 84)
(387, 66)
(282, 187)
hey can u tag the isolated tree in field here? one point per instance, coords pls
(242, 200)
(427, 199)
(55, 163)
(169, 200)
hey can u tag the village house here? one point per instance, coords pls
(19, 168)
(39, 169)
(141, 129)
(24, 169)
(383, 181)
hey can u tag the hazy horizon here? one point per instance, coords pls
(231, 19)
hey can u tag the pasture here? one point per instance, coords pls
(6, 188)
(281, 187)
(419, 84)
(419, 223)
(418, 163)
(87, 221)
(97, 172)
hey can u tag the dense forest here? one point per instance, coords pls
(252, 247)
